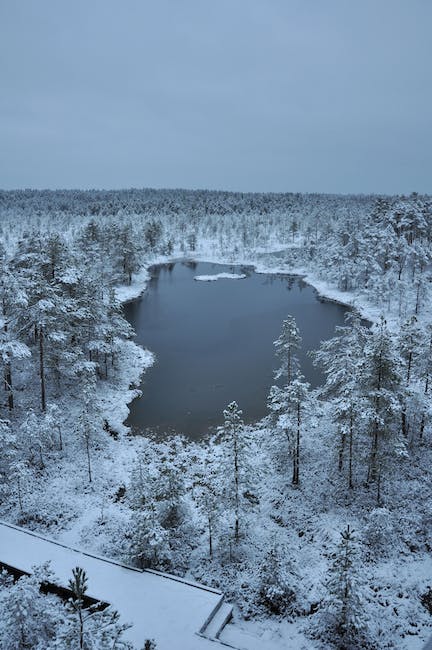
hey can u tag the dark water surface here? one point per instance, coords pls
(214, 342)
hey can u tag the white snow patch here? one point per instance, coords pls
(278, 635)
(220, 276)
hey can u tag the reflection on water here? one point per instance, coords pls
(214, 342)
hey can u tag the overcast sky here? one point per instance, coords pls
(250, 95)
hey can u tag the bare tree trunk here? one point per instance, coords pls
(19, 494)
(8, 370)
(350, 459)
(341, 450)
(404, 421)
(8, 385)
(86, 432)
(379, 486)
(60, 437)
(236, 478)
(88, 457)
(417, 304)
(296, 457)
(210, 536)
(426, 391)
(372, 474)
(81, 629)
(289, 366)
(423, 418)
(41, 367)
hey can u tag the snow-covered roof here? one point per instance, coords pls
(162, 607)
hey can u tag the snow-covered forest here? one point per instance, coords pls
(316, 521)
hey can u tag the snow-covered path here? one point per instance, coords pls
(159, 606)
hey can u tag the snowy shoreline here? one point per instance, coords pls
(146, 358)
(323, 288)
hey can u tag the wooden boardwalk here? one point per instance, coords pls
(177, 614)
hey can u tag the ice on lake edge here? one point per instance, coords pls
(220, 276)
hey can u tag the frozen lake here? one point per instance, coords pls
(214, 342)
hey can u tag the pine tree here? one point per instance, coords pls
(12, 299)
(233, 439)
(297, 395)
(380, 380)
(149, 644)
(45, 307)
(341, 358)
(87, 420)
(149, 540)
(90, 628)
(130, 252)
(78, 586)
(286, 403)
(276, 582)
(207, 492)
(286, 347)
(157, 492)
(35, 438)
(8, 457)
(342, 611)
(410, 342)
(425, 377)
(20, 474)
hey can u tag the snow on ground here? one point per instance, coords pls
(281, 635)
(220, 276)
(115, 397)
(85, 508)
(127, 292)
(171, 611)
(272, 631)
(87, 514)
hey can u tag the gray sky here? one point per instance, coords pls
(250, 95)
